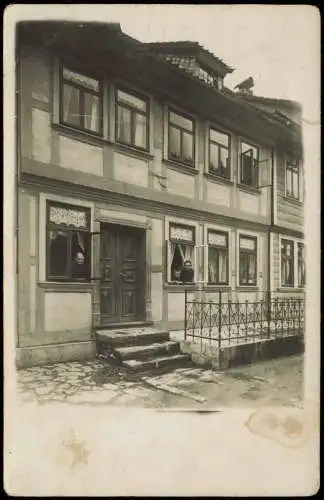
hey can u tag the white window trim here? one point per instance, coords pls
(231, 136)
(223, 229)
(258, 259)
(184, 222)
(300, 180)
(295, 242)
(43, 199)
(196, 123)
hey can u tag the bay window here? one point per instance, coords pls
(68, 243)
(81, 102)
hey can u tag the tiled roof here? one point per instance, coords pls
(187, 48)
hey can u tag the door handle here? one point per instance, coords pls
(122, 275)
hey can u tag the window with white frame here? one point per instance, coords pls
(249, 165)
(80, 101)
(218, 257)
(287, 263)
(219, 153)
(132, 120)
(181, 248)
(292, 179)
(181, 138)
(68, 242)
(247, 260)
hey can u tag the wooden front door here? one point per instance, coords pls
(122, 287)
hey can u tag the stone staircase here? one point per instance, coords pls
(140, 350)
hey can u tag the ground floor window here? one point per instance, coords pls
(287, 263)
(301, 264)
(247, 260)
(217, 257)
(68, 243)
(181, 250)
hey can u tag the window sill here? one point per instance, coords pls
(293, 201)
(249, 189)
(247, 288)
(132, 151)
(291, 289)
(217, 288)
(181, 167)
(180, 287)
(218, 179)
(80, 135)
(66, 286)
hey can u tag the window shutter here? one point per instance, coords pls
(94, 242)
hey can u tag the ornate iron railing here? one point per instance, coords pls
(229, 322)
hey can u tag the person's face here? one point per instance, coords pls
(79, 258)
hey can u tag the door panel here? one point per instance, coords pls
(122, 286)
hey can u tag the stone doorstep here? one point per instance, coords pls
(118, 338)
(136, 352)
(138, 365)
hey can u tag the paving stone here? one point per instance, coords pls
(92, 397)
(40, 391)
(111, 387)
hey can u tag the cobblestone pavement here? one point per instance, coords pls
(278, 381)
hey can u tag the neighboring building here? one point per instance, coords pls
(131, 159)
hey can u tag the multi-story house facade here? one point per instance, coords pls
(131, 159)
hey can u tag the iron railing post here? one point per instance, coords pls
(220, 320)
(186, 312)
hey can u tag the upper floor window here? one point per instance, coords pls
(217, 257)
(292, 179)
(132, 120)
(219, 153)
(181, 139)
(247, 260)
(181, 249)
(249, 165)
(287, 263)
(68, 243)
(81, 103)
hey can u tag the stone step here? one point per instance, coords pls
(147, 351)
(156, 363)
(131, 337)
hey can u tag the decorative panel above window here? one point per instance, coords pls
(219, 153)
(132, 120)
(249, 165)
(181, 139)
(81, 101)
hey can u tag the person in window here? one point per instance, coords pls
(79, 270)
(187, 272)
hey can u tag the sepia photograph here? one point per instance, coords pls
(160, 259)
